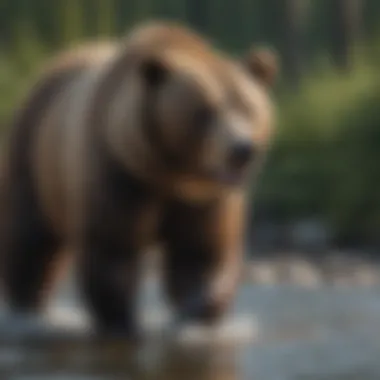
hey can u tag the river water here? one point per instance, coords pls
(303, 329)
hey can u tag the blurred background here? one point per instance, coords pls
(321, 186)
(319, 195)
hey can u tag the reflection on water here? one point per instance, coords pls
(300, 333)
(114, 362)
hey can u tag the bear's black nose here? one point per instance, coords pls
(241, 153)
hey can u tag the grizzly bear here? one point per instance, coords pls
(149, 140)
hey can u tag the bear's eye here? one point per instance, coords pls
(202, 117)
(154, 73)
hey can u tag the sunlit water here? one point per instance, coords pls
(280, 331)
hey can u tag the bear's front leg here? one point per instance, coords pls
(203, 257)
(108, 281)
(109, 263)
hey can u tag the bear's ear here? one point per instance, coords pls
(154, 72)
(262, 63)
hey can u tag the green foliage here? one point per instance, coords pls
(326, 154)
(18, 68)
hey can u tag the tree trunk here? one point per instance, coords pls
(293, 49)
(345, 29)
(196, 14)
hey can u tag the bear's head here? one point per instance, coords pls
(186, 117)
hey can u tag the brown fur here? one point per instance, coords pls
(103, 159)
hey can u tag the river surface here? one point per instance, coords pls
(289, 330)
